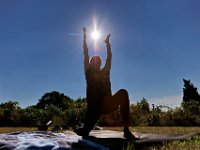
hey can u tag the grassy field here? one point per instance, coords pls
(160, 130)
(193, 144)
(178, 145)
(16, 129)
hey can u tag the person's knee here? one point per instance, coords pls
(124, 97)
(123, 92)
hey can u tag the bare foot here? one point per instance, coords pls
(81, 132)
(129, 136)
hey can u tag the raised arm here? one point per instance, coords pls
(85, 51)
(107, 66)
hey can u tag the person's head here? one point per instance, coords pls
(95, 61)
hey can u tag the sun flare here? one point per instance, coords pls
(95, 35)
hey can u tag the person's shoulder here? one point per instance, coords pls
(88, 70)
(105, 71)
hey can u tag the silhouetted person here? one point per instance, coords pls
(98, 94)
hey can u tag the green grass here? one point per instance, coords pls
(159, 130)
(181, 145)
(193, 144)
(16, 129)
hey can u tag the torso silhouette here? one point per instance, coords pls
(98, 85)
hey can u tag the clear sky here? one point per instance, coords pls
(155, 45)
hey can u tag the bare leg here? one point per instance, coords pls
(119, 99)
(90, 120)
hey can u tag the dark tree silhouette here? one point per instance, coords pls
(191, 98)
(54, 98)
(190, 92)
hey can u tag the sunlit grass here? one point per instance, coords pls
(16, 129)
(193, 144)
(176, 145)
(159, 130)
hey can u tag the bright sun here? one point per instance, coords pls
(95, 35)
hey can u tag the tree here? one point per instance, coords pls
(190, 92)
(139, 112)
(154, 118)
(54, 98)
(191, 98)
(143, 106)
(76, 113)
(10, 105)
(9, 113)
(30, 116)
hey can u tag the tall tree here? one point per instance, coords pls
(191, 98)
(190, 92)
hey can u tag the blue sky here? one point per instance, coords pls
(155, 45)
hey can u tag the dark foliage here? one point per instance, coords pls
(65, 112)
(190, 92)
(54, 98)
(191, 98)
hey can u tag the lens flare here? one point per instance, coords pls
(95, 34)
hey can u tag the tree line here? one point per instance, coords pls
(67, 112)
